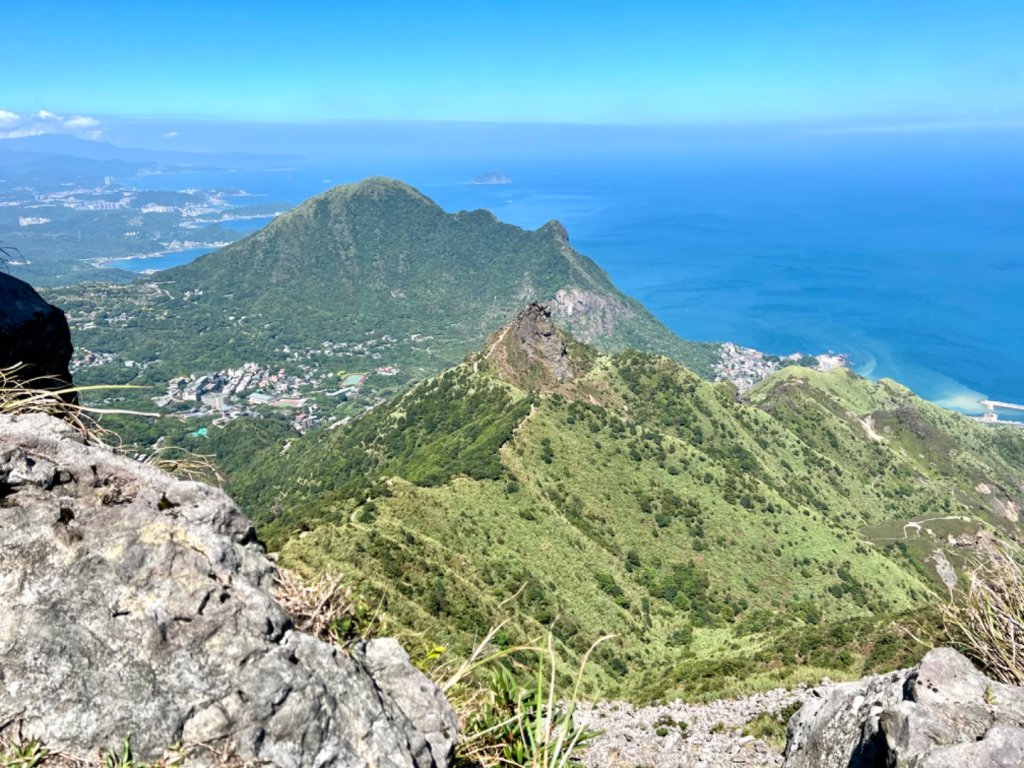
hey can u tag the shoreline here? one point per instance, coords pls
(107, 262)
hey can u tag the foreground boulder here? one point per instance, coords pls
(135, 603)
(943, 713)
(34, 334)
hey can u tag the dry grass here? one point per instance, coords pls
(186, 464)
(986, 620)
(505, 724)
(20, 396)
(327, 608)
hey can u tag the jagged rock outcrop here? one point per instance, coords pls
(35, 334)
(133, 602)
(943, 713)
(590, 315)
(532, 353)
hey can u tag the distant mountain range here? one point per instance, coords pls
(729, 540)
(72, 147)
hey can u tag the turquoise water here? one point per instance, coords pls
(247, 225)
(907, 257)
(164, 261)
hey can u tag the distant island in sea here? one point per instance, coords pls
(492, 178)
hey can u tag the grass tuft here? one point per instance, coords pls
(986, 620)
(27, 754)
(327, 608)
(771, 726)
(508, 724)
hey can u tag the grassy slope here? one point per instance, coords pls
(726, 544)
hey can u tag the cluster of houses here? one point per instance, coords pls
(745, 367)
(232, 393)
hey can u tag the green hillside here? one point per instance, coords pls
(354, 265)
(727, 543)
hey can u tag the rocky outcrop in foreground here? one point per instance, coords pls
(135, 603)
(943, 713)
(35, 334)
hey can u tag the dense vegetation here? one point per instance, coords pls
(358, 262)
(726, 543)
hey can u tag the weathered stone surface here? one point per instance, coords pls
(713, 734)
(942, 713)
(416, 697)
(532, 353)
(132, 602)
(839, 726)
(35, 334)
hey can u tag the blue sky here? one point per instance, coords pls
(864, 63)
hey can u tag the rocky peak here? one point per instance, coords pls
(531, 352)
(558, 230)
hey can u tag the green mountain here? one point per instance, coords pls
(728, 543)
(373, 263)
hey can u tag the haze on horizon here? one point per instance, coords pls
(191, 76)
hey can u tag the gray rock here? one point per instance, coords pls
(132, 602)
(35, 334)
(415, 696)
(839, 726)
(942, 713)
(712, 736)
(1002, 747)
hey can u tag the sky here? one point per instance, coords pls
(865, 65)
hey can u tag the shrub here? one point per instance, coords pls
(771, 726)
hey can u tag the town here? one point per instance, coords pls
(226, 395)
(745, 367)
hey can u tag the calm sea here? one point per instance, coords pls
(908, 259)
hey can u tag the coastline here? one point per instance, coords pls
(107, 262)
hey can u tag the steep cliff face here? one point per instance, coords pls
(34, 334)
(135, 603)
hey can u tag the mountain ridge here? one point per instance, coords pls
(622, 499)
(363, 277)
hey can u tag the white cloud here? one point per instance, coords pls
(15, 126)
(20, 133)
(79, 121)
(169, 134)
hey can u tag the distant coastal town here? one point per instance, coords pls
(745, 367)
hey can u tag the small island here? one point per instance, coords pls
(492, 178)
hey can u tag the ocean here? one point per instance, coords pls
(908, 257)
